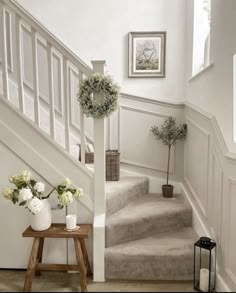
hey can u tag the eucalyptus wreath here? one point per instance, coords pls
(106, 88)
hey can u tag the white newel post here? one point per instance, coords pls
(99, 191)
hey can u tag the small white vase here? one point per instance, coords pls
(43, 220)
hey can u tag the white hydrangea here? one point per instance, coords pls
(35, 205)
(8, 193)
(66, 198)
(25, 176)
(25, 194)
(67, 182)
(39, 186)
(78, 193)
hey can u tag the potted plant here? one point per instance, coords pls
(169, 133)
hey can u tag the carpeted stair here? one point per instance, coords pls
(148, 237)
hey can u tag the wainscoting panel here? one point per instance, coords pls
(137, 145)
(231, 228)
(196, 163)
(215, 208)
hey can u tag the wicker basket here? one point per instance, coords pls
(112, 164)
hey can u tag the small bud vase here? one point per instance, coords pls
(43, 220)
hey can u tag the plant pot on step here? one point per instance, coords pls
(167, 190)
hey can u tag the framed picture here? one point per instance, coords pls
(147, 54)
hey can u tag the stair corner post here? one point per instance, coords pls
(99, 190)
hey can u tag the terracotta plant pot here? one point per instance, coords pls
(167, 190)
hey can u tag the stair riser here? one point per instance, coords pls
(125, 197)
(141, 228)
(165, 267)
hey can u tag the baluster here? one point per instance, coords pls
(4, 52)
(19, 64)
(51, 91)
(66, 105)
(35, 77)
(82, 127)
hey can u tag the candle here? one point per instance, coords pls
(204, 280)
(71, 222)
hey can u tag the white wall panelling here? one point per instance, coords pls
(196, 163)
(213, 199)
(231, 226)
(137, 145)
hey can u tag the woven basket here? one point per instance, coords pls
(112, 164)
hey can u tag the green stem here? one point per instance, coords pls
(168, 164)
(49, 193)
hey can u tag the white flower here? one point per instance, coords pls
(67, 182)
(25, 176)
(25, 194)
(11, 179)
(39, 186)
(78, 193)
(8, 193)
(66, 198)
(35, 205)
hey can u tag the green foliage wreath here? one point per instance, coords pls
(104, 86)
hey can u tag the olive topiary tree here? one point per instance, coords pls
(169, 133)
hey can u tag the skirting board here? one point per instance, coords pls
(201, 229)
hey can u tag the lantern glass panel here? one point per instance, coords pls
(204, 267)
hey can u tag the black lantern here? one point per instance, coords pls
(204, 265)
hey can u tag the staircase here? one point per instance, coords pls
(148, 237)
(144, 236)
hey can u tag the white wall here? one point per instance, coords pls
(210, 183)
(213, 89)
(99, 30)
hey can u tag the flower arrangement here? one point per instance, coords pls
(99, 84)
(29, 193)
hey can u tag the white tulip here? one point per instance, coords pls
(66, 198)
(35, 205)
(67, 182)
(25, 175)
(25, 194)
(78, 193)
(8, 193)
(39, 186)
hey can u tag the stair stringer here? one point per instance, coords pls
(34, 147)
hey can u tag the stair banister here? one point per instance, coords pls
(37, 26)
(99, 190)
(4, 51)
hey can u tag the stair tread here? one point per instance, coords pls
(174, 243)
(125, 183)
(149, 206)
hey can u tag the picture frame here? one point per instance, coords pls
(147, 53)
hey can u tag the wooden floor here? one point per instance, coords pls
(13, 281)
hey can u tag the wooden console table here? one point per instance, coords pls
(57, 231)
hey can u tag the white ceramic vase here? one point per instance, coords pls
(43, 220)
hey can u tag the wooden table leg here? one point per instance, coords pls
(82, 268)
(31, 265)
(86, 259)
(40, 255)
